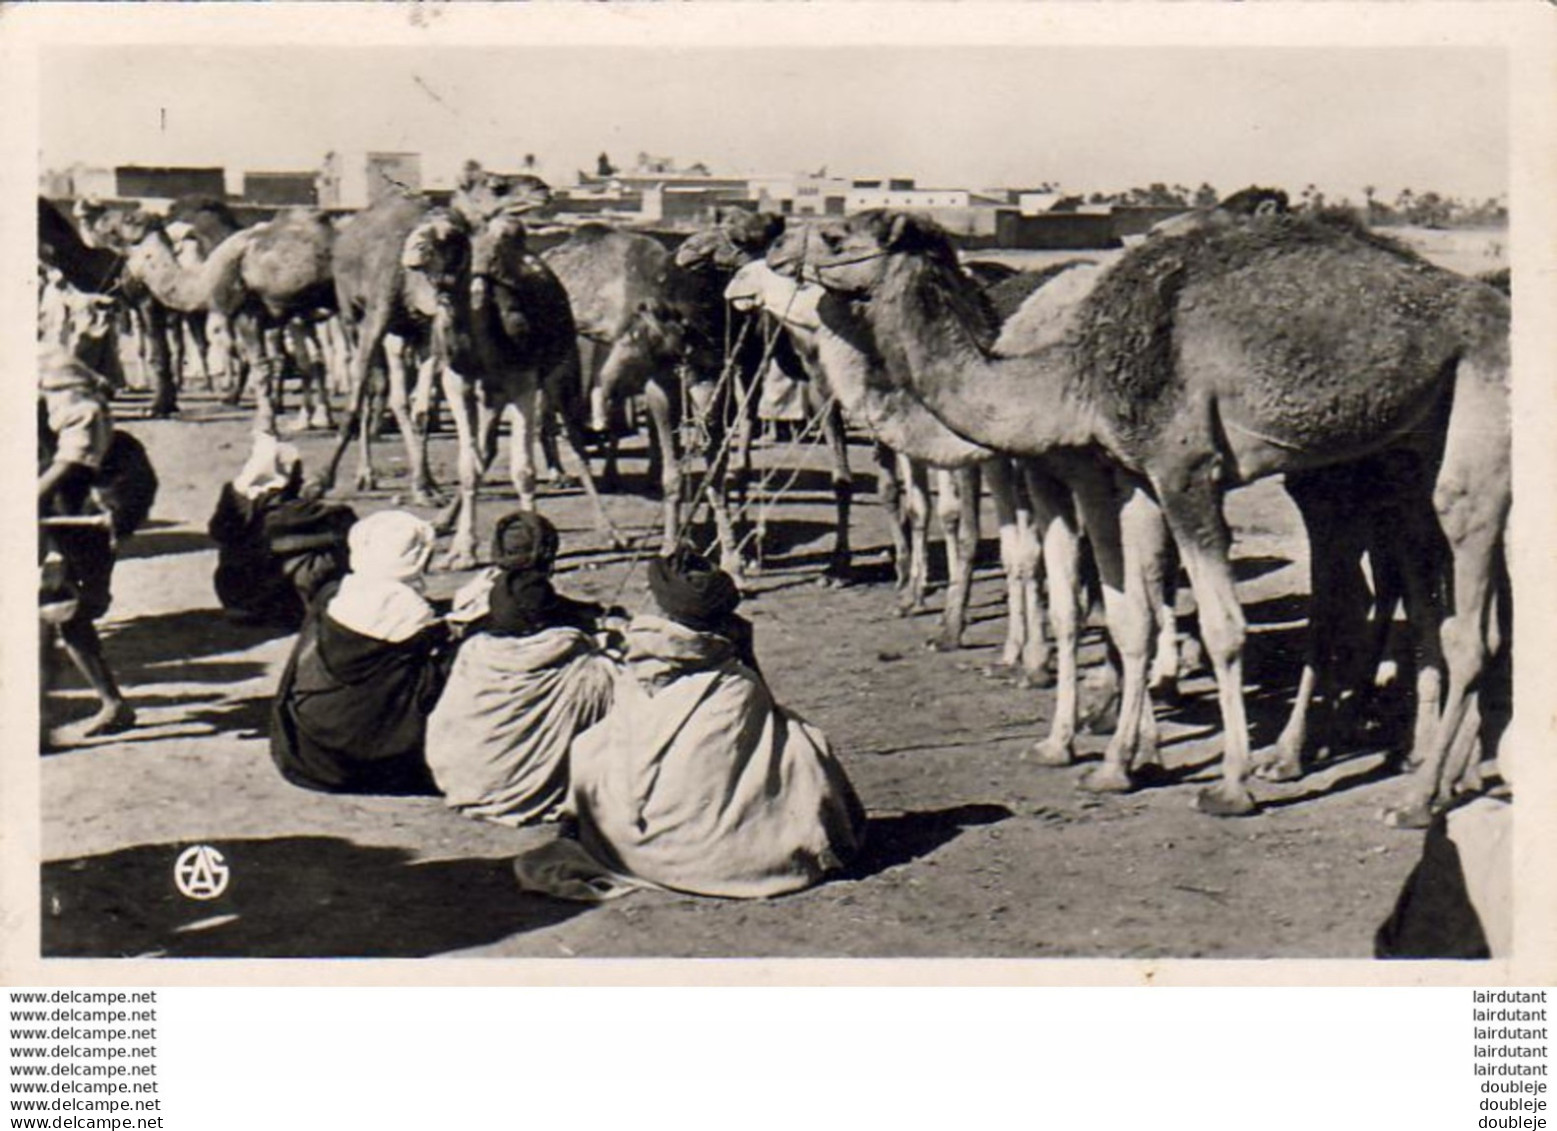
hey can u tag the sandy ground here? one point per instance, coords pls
(973, 851)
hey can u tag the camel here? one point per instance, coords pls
(1214, 358)
(608, 274)
(673, 354)
(460, 281)
(736, 239)
(260, 279)
(1062, 490)
(920, 442)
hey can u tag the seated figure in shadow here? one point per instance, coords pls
(529, 676)
(697, 780)
(350, 713)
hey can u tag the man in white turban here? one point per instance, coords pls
(350, 714)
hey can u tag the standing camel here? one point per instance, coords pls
(1215, 358)
(440, 278)
(736, 239)
(905, 427)
(261, 280)
(1063, 492)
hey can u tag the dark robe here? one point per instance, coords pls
(276, 552)
(350, 713)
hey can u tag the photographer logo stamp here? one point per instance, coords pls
(201, 873)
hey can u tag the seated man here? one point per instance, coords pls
(526, 681)
(697, 780)
(350, 714)
(276, 551)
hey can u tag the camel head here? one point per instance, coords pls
(852, 256)
(657, 340)
(733, 240)
(117, 229)
(436, 258)
(481, 196)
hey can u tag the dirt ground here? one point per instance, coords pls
(973, 851)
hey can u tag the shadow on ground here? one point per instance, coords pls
(289, 897)
(898, 839)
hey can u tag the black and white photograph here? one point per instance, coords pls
(820, 488)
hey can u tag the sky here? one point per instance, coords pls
(1088, 118)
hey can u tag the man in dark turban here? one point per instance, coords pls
(529, 676)
(697, 780)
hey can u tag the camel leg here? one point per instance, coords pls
(1032, 517)
(1192, 502)
(917, 507)
(164, 401)
(959, 514)
(840, 564)
(1319, 496)
(889, 490)
(363, 341)
(312, 361)
(262, 366)
(524, 424)
(175, 332)
(202, 343)
(1113, 517)
(1472, 499)
(460, 514)
(1015, 526)
(415, 452)
(662, 421)
(571, 437)
(1059, 529)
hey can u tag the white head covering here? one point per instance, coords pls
(390, 546)
(389, 550)
(270, 466)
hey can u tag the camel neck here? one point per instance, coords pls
(934, 333)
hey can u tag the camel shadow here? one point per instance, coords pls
(288, 897)
(905, 837)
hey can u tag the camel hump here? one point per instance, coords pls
(1050, 312)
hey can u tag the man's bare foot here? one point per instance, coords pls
(111, 718)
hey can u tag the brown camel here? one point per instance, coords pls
(608, 274)
(260, 279)
(915, 442)
(1214, 358)
(1063, 491)
(459, 282)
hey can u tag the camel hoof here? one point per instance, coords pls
(1106, 779)
(1225, 801)
(1279, 766)
(427, 497)
(313, 490)
(1051, 753)
(365, 482)
(1035, 679)
(1101, 718)
(1412, 815)
(943, 642)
